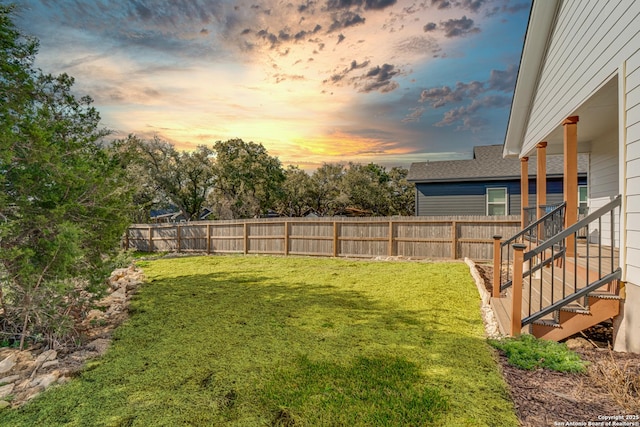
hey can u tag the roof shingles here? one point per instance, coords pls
(487, 164)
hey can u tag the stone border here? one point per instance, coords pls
(492, 330)
(25, 374)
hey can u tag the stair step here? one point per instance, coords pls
(547, 322)
(576, 308)
(605, 295)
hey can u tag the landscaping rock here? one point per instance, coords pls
(20, 369)
(45, 380)
(31, 393)
(99, 345)
(6, 390)
(488, 316)
(8, 363)
(9, 379)
(119, 295)
(578, 342)
(45, 356)
(50, 363)
(94, 315)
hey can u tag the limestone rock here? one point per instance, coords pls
(45, 380)
(50, 363)
(578, 342)
(8, 363)
(6, 390)
(9, 379)
(45, 356)
(33, 392)
(24, 373)
(23, 384)
(99, 345)
(94, 315)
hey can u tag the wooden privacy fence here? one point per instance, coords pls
(415, 237)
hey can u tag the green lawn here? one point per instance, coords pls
(290, 341)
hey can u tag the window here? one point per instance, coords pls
(497, 201)
(582, 196)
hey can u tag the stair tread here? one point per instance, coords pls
(605, 295)
(547, 322)
(576, 308)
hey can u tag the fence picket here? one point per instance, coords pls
(415, 237)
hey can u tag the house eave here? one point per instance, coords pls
(483, 179)
(541, 21)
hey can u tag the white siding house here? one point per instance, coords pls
(582, 58)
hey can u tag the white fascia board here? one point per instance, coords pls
(539, 30)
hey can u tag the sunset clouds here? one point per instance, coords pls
(389, 81)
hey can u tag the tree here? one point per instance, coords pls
(165, 175)
(402, 193)
(325, 190)
(64, 202)
(366, 188)
(248, 180)
(296, 197)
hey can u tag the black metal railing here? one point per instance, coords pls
(548, 225)
(564, 269)
(582, 213)
(530, 215)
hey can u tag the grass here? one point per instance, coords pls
(529, 353)
(244, 341)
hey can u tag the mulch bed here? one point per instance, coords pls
(610, 388)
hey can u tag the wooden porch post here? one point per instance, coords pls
(516, 289)
(570, 126)
(524, 188)
(541, 177)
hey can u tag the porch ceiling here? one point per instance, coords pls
(598, 117)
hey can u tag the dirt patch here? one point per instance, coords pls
(609, 389)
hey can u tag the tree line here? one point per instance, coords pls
(236, 179)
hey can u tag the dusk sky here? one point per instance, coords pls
(384, 81)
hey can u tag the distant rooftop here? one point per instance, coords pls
(487, 164)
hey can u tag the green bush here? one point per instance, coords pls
(527, 352)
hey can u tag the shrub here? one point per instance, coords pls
(527, 352)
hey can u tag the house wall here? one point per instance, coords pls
(603, 185)
(630, 106)
(591, 39)
(633, 167)
(469, 198)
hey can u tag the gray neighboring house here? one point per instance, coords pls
(488, 184)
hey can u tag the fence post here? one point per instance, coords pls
(178, 243)
(246, 239)
(286, 237)
(390, 249)
(208, 238)
(150, 239)
(335, 239)
(497, 266)
(454, 239)
(126, 240)
(516, 289)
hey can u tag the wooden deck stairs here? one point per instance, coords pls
(562, 291)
